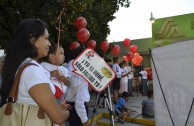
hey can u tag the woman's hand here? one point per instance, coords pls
(64, 105)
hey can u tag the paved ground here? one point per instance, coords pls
(133, 103)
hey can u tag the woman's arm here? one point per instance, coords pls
(126, 74)
(43, 96)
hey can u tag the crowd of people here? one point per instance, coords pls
(126, 76)
(62, 94)
(130, 78)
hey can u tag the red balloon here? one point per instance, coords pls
(133, 48)
(138, 64)
(148, 70)
(80, 22)
(130, 56)
(126, 42)
(136, 55)
(140, 59)
(91, 44)
(116, 49)
(74, 45)
(125, 58)
(134, 61)
(149, 75)
(104, 46)
(83, 35)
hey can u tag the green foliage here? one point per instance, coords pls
(97, 13)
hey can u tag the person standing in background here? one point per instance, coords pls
(124, 79)
(144, 80)
(116, 81)
(78, 100)
(130, 79)
(109, 62)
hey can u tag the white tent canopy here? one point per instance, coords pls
(174, 86)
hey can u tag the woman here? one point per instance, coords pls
(116, 81)
(29, 43)
(124, 79)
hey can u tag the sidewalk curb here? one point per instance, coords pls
(149, 122)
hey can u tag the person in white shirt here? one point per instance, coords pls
(59, 74)
(124, 79)
(28, 44)
(130, 79)
(116, 81)
(78, 100)
(144, 80)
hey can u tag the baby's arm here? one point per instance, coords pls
(54, 73)
(60, 78)
(64, 79)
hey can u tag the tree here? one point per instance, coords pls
(97, 13)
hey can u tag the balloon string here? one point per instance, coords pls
(58, 20)
(59, 34)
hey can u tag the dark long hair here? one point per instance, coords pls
(19, 48)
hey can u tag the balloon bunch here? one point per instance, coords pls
(132, 55)
(82, 35)
(137, 59)
(149, 75)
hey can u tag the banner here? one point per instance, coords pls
(174, 95)
(94, 69)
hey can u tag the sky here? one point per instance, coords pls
(133, 22)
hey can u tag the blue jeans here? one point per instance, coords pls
(144, 86)
(130, 86)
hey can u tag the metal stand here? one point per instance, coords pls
(104, 98)
(107, 99)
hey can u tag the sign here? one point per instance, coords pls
(174, 95)
(94, 69)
